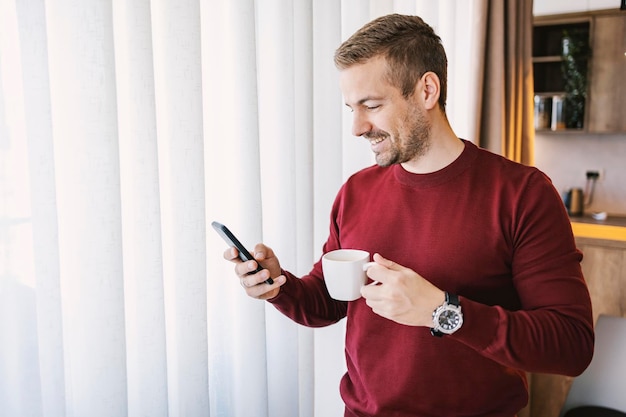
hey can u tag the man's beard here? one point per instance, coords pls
(404, 148)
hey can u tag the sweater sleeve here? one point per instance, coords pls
(552, 332)
(306, 301)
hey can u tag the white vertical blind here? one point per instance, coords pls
(141, 212)
(238, 350)
(179, 136)
(19, 362)
(276, 63)
(125, 129)
(86, 155)
(328, 172)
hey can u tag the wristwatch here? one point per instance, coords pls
(447, 318)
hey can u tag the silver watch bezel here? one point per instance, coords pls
(447, 308)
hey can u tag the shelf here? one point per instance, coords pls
(560, 131)
(605, 66)
(554, 75)
(547, 38)
(544, 59)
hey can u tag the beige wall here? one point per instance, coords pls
(567, 157)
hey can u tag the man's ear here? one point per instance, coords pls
(430, 90)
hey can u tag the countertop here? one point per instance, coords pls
(613, 228)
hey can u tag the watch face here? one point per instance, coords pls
(449, 319)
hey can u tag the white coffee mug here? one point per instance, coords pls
(344, 272)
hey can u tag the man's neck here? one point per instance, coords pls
(445, 147)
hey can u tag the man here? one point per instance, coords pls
(479, 277)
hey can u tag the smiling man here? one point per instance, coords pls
(396, 124)
(479, 278)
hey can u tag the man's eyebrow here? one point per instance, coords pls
(363, 100)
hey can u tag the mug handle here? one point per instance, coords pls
(367, 266)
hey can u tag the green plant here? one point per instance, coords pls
(575, 54)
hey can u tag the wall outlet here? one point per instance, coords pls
(597, 173)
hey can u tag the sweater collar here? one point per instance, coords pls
(433, 179)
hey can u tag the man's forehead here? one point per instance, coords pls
(365, 82)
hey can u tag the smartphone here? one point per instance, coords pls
(244, 255)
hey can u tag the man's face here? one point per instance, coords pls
(397, 127)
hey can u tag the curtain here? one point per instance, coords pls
(126, 127)
(506, 115)
(506, 100)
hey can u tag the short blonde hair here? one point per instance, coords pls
(409, 45)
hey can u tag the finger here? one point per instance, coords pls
(378, 258)
(373, 290)
(250, 280)
(380, 271)
(242, 269)
(264, 291)
(263, 253)
(257, 280)
(231, 254)
(260, 251)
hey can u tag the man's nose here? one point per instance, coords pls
(360, 124)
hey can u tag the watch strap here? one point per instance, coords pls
(436, 333)
(452, 299)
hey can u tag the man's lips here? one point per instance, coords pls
(375, 137)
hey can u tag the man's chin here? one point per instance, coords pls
(383, 162)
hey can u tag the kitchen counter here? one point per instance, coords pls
(613, 228)
(603, 244)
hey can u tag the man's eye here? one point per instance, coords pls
(373, 107)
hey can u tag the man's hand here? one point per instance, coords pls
(401, 294)
(255, 285)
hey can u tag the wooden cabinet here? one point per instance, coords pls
(604, 266)
(607, 92)
(604, 70)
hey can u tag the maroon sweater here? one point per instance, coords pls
(490, 230)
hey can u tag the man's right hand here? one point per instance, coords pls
(255, 285)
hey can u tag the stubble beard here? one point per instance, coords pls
(405, 148)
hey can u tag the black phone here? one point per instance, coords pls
(244, 255)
